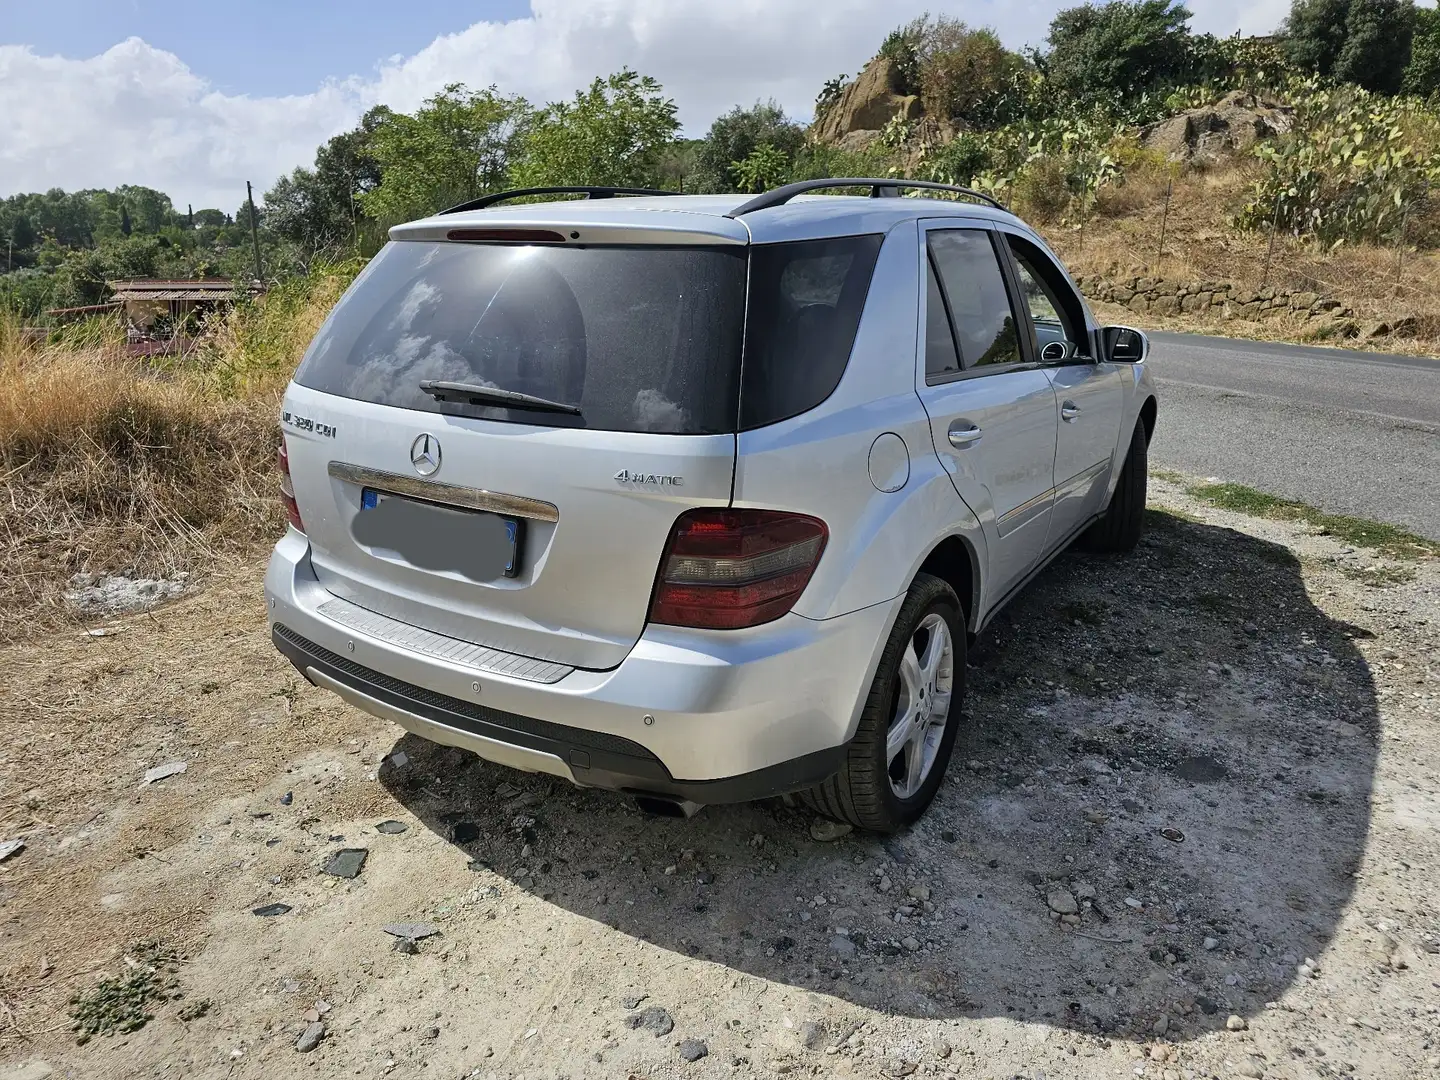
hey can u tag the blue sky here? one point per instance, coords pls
(240, 48)
(196, 97)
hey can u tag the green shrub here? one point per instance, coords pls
(1042, 189)
(902, 48)
(763, 168)
(958, 73)
(829, 94)
(960, 160)
(1349, 168)
(735, 137)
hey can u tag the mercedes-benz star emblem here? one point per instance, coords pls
(425, 454)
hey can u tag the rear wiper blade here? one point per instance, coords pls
(473, 394)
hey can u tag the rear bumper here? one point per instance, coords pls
(733, 715)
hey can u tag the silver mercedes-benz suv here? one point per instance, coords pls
(698, 498)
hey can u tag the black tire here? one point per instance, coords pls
(861, 793)
(1119, 530)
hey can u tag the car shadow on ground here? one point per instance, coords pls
(1156, 809)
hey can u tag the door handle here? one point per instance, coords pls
(1069, 412)
(962, 437)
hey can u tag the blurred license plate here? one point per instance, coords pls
(480, 545)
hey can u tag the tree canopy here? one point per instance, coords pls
(615, 133)
(736, 136)
(1366, 42)
(459, 144)
(1119, 49)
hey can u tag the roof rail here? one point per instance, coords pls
(879, 189)
(590, 192)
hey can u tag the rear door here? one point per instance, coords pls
(992, 410)
(533, 531)
(1089, 392)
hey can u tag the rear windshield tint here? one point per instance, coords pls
(641, 339)
(805, 304)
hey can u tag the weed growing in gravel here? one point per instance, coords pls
(1389, 539)
(1380, 577)
(123, 1003)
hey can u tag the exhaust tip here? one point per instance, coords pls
(664, 806)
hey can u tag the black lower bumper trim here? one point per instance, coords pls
(596, 759)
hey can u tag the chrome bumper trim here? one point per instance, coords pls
(466, 498)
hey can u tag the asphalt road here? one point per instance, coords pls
(1350, 432)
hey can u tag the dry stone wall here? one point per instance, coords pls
(1225, 300)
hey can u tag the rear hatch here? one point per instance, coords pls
(535, 530)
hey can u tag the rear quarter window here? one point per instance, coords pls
(805, 304)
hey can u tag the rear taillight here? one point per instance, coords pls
(287, 489)
(725, 569)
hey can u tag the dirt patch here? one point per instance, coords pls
(1191, 830)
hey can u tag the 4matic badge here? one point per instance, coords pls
(625, 476)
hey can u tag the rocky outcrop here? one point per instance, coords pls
(867, 104)
(1231, 125)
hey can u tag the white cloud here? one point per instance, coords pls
(137, 114)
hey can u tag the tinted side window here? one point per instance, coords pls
(940, 356)
(1054, 308)
(804, 309)
(969, 270)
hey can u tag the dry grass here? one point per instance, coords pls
(1122, 237)
(109, 465)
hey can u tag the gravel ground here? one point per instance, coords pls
(1191, 830)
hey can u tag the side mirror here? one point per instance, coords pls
(1126, 345)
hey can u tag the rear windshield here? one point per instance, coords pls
(641, 339)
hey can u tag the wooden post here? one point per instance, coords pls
(1164, 221)
(1400, 247)
(254, 230)
(1270, 250)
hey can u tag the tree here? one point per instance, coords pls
(316, 209)
(962, 73)
(1314, 33)
(1119, 50)
(125, 226)
(1366, 42)
(1422, 74)
(149, 210)
(735, 136)
(458, 145)
(616, 133)
(22, 233)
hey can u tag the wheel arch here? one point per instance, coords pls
(1148, 413)
(955, 562)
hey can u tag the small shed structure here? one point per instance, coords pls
(145, 299)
